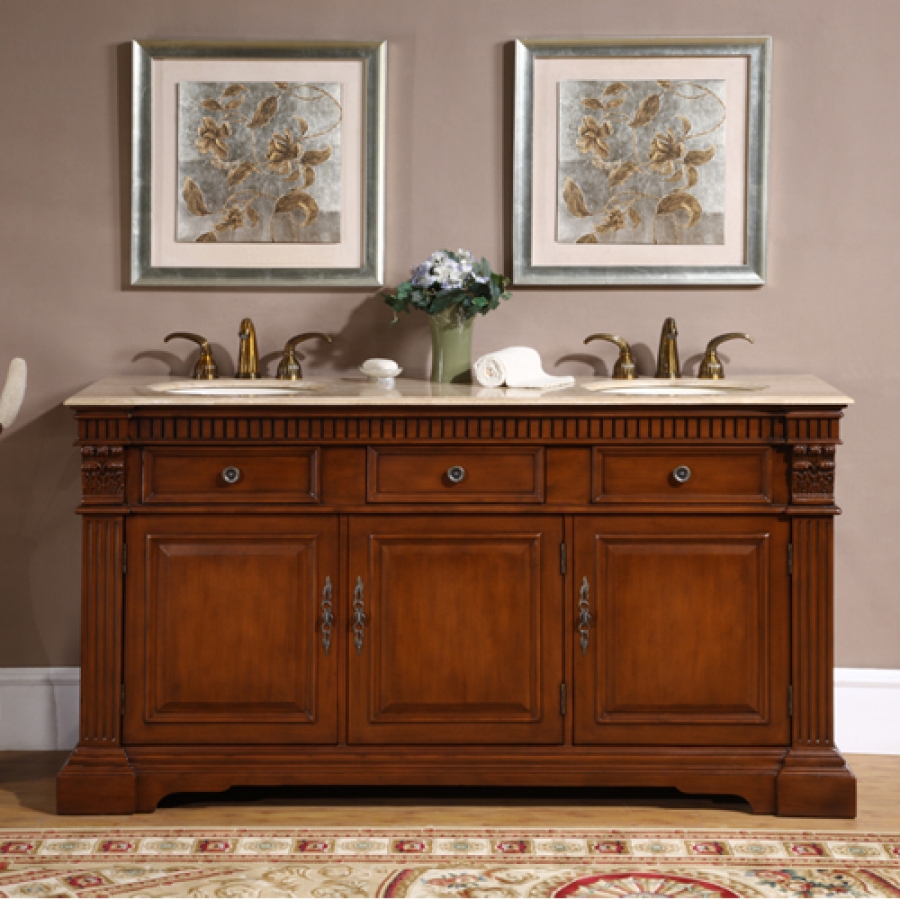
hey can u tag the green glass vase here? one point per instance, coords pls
(451, 347)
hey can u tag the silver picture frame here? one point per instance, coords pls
(195, 266)
(537, 262)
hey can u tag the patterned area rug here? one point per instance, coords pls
(442, 863)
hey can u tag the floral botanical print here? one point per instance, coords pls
(259, 162)
(641, 162)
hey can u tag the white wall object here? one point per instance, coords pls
(13, 392)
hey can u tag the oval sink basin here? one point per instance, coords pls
(232, 389)
(671, 390)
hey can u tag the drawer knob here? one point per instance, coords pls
(681, 474)
(231, 474)
(455, 474)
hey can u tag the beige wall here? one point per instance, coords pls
(830, 306)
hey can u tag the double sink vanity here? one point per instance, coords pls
(345, 582)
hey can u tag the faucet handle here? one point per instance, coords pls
(624, 367)
(206, 368)
(711, 366)
(289, 367)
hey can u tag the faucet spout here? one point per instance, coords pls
(248, 355)
(667, 365)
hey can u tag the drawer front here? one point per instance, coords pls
(263, 475)
(455, 475)
(682, 476)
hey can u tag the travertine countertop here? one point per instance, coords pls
(751, 390)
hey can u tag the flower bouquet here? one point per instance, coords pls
(451, 288)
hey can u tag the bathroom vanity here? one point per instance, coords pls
(438, 584)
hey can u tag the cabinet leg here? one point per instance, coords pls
(816, 783)
(96, 781)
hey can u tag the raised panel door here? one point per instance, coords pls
(224, 625)
(688, 640)
(462, 636)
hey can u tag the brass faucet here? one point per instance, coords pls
(248, 355)
(206, 368)
(624, 367)
(289, 367)
(711, 367)
(667, 365)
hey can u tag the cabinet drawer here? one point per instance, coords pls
(260, 475)
(455, 475)
(692, 475)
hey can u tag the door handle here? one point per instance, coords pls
(359, 615)
(584, 616)
(327, 616)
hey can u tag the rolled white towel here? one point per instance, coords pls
(517, 367)
(13, 392)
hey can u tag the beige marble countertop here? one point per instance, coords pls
(751, 390)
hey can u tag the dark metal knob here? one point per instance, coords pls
(455, 474)
(681, 474)
(231, 474)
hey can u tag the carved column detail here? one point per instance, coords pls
(98, 777)
(102, 474)
(814, 779)
(812, 474)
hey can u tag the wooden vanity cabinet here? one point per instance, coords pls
(486, 596)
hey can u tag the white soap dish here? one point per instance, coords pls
(382, 371)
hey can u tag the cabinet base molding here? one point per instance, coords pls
(96, 781)
(149, 774)
(816, 783)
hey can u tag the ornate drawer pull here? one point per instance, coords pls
(681, 474)
(327, 616)
(584, 616)
(359, 615)
(455, 474)
(231, 474)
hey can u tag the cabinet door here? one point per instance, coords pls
(462, 638)
(689, 641)
(224, 637)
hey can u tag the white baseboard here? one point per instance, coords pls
(39, 709)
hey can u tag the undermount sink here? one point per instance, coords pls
(670, 390)
(234, 388)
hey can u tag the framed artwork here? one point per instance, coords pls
(258, 164)
(641, 161)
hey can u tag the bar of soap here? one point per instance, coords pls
(381, 368)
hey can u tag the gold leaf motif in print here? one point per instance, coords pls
(692, 176)
(315, 157)
(681, 201)
(575, 200)
(588, 239)
(282, 151)
(635, 217)
(233, 90)
(240, 172)
(253, 216)
(294, 176)
(232, 219)
(302, 124)
(646, 111)
(685, 125)
(234, 104)
(615, 103)
(614, 220)
(193, 198)
(615, 88)
(591, 137)
(208, 237)
(622, 173)
(298, 199)
(264, 112)
(700, 157)
(309, 176)
(214, 105)
(664, 84)
(665, 150)
(282, 85)
(592, 103)
(211, 137)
